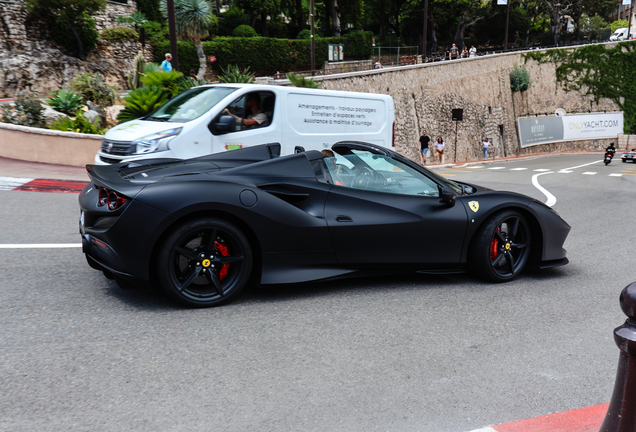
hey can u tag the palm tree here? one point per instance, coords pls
(192, 19)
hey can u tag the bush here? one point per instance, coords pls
(94, 88)
(304, 34)
(244, 31)
(156, 33)
(67, 102)
(86, 28)
(519, 79)
(301, 81)
(168, 82)
(142, 101)
(232, 74)
(266, 56)
(79, 124)
(150, 8)
(119, 34)
(27, 111)
(230, 20)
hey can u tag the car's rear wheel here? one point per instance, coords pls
(205, 262)
(502, 247)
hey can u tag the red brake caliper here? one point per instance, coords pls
(494, 245)
(223, 249)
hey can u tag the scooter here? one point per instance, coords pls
(609, 154)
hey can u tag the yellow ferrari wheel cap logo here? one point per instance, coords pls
(507, 245)
(474, 206)
(205, 263)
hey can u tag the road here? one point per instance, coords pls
(409, 353)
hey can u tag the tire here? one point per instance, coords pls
(205, 262)
(502, 247)
(624, 160)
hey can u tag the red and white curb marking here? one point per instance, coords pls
(587, 419)
(41, 185)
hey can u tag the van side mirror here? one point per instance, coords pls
(447, 196)
(299, 149)
(224, 125)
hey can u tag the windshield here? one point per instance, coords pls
(190, 104)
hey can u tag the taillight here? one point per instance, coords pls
(110, 199)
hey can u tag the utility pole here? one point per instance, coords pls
(173, 35)
(425, 30)
(507, 21)
(311, 23)
(629, 26)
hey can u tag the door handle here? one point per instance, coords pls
(342, 218)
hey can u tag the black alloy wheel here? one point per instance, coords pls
(205, 262)
(502, 247)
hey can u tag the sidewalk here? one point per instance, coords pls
(37, 170)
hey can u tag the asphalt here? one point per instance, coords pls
(587, 419)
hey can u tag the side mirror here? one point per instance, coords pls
(299, 149)
(447, 196)
(224, 125)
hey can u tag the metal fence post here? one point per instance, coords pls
(621, 414)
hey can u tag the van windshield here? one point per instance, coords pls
(190, 104)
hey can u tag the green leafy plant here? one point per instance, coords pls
(67, 102)
(519, 79)
(119, 34)
(618, 24)
(27, 111)
(168, 82)
(142, 101)
(232, 74)
(137, 19)
(244, 30)
(304, 34)
(94, 88)
(230, 20)
(301, 81)
(70, 22)
(78, 124)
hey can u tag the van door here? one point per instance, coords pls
(256, 122)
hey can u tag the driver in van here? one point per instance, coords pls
(255, 118)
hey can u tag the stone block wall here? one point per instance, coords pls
(426, 94)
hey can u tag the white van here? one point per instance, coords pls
(214, 118)
(621, 34)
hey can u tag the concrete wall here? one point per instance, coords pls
(425, 95)
(48, 146)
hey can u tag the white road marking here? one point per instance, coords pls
(10, 183)
(40, 246)
(518, 169)
(494, 168)
(551, 198)
(616, 175)
(542, 170)
(565, 171)
(486, 429)
(589, 173)
(475, 166)
(580, 166)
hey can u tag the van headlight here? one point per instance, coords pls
(155, 142)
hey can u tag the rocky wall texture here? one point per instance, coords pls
(41, 68)
(426, 94)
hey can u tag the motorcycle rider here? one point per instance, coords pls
(609, 153)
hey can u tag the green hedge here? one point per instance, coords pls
(119, 34)
(266, 56)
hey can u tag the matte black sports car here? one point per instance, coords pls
(629, 156)
(204, 228)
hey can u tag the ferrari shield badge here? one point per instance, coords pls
(474, 206)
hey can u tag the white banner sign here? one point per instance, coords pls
(505, 2)
(549, 129)
(627, 2)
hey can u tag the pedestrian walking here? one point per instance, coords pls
(453, 53)
(166, 66)
(485, 146)
(439, 150)
(472, 52)
(424, 143)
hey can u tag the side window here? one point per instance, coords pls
(251, 111)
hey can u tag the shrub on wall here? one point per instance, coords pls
(151, 9)
(86, 30)
(244, 31)
(266, 56)
(119, 34)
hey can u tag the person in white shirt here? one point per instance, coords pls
(485, 147)
(439, 150)
(472, 52)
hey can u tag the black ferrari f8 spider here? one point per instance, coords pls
(204, 228)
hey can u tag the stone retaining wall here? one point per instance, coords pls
(426, 94)
(48, 146)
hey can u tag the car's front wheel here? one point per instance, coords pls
(502, 247)
(205, 262)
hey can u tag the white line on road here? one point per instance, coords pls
(496, 168)
(551, 198)
(565, 171)
(518, 169)
(616, 175)
(580, 166)
(541, 170)
(40, 246)
(589, 173)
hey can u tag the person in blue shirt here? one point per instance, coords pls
(166, 66)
